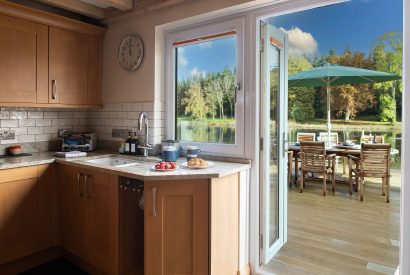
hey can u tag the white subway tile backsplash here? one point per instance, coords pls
(4, 114)
(43, 122)
(18, 114)
(35, 130)
(50, 114)
(35, 114)
(9, 123)
(27, 122)
(27, 138)
(65, 115)
(43, 137)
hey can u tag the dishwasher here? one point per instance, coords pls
(131, 219)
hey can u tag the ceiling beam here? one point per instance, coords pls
(77, 6)
(123, 5)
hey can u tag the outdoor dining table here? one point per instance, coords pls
(338, 150)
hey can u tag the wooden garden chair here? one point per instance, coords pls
(334, 137)
(377, 139)
(305, 137)
(314, 159)
(374, 162)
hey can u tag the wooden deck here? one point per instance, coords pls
(338, 234)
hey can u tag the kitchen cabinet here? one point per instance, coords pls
(176, 227)
(75, 68)
(90, 214)
(48, 60)
(25, 215)
(24, 61)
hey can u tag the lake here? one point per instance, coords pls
(203, 131)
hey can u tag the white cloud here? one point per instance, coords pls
(206, 45)
(182, 59)
(196, 73)
(300, 42)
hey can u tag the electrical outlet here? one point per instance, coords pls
(7, 134)
(120, 133)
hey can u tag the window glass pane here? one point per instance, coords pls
(205, 91)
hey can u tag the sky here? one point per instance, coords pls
(355, 24)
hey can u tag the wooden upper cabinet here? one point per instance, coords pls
(23, 61)
(176, 227)
(75, 68)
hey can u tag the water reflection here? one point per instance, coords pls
(204, 131)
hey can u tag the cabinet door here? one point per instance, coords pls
(75, 212)
(102, 197)
(75, 68)
(24, 61)
(24, 212)
(176, 227)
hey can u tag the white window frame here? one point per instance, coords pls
(193, 32)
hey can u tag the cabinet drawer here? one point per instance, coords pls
(16, 174)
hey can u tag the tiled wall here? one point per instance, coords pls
(40, 124)
(36, 125)
(125, 116)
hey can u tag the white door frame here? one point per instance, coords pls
(268, 251)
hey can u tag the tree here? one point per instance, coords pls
(387, 55)
(300, 99)
(349, 100)
(194, 101)
(228, 84)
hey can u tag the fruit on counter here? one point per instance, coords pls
(14, 149)
(166, 165)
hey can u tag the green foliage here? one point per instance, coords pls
(387, 108)
(207, 96)
(301, 112)
(300, 99)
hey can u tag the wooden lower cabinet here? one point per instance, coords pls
(176, 227)
(90, 217)
(25, 216)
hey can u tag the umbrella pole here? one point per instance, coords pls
(329, 126)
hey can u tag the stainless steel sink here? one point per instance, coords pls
(114, 161)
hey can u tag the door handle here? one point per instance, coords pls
(154, 200)
(53, 89)
(87, 193)
(79, 184)
(285, 142)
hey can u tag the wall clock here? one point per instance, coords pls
(130, 53)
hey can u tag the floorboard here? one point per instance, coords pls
(338, 234)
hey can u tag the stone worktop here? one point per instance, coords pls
(142, 170)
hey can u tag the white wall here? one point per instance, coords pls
(139, 86)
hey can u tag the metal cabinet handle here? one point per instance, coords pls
(79, 184)
(53, 89)
(87, 194)
(154, 198)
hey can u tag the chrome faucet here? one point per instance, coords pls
(142, 118)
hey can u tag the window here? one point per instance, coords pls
(205, 73)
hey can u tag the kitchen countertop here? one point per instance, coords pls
(142, 170)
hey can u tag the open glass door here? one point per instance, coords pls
(273, 157)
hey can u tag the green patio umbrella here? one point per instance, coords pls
(333, 75)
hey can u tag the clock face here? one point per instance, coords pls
(130, 53)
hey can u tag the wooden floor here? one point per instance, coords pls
(338, 234)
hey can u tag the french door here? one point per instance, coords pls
(273, 125)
